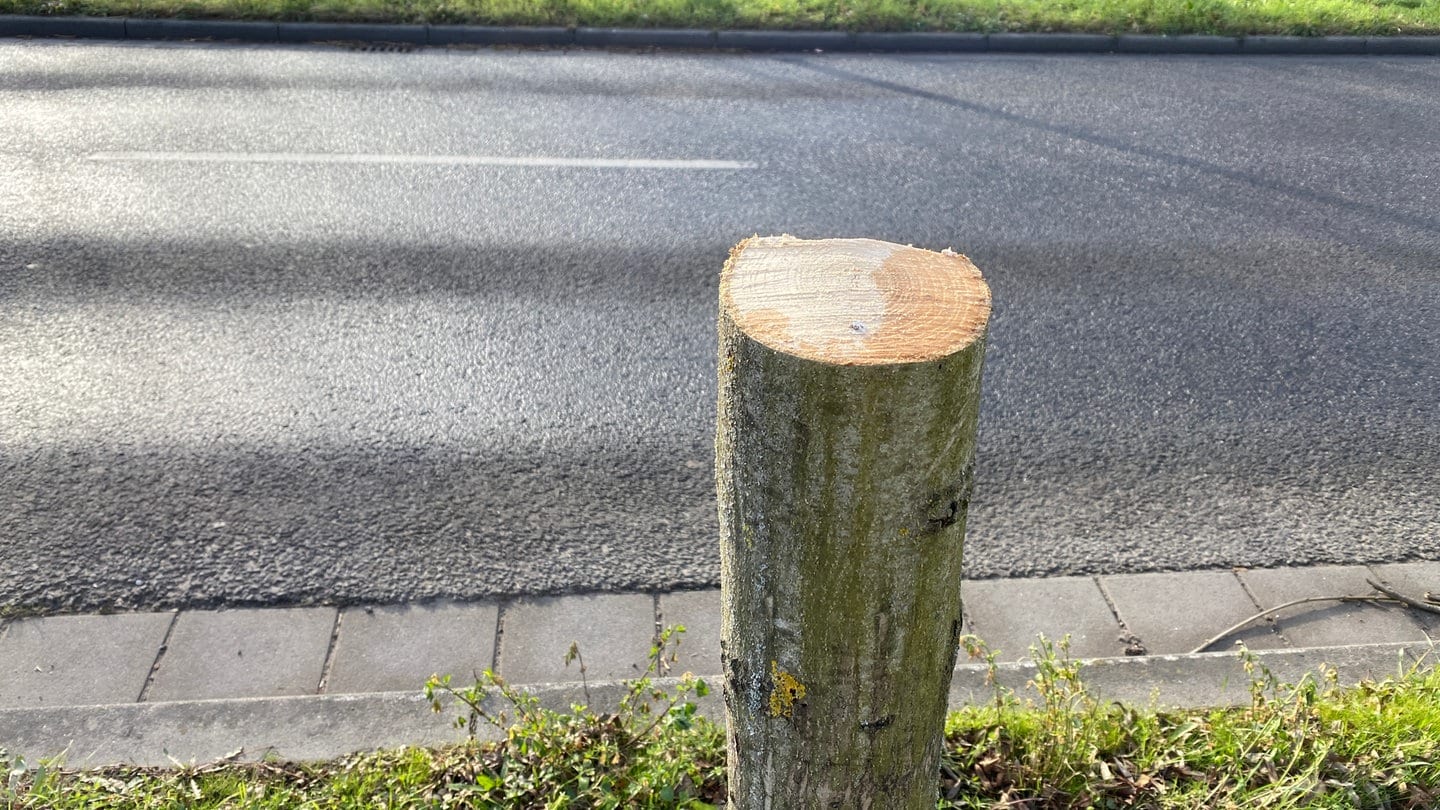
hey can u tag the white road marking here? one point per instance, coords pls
(424, 160)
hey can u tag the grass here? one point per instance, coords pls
(1229, 17)
(1308, 745)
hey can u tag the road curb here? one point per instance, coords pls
(353, 32)
(638, 38)
(1186, 43)
(1421, 46)
(314, 727)
(705, 39)
(1051, 43)
(541, 36)
(201, 29)
(921, 42)
(1302, 45)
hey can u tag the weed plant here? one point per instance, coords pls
(1305, 745)
(653, 751)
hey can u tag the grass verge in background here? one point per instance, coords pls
(1229, 17)
(1309, 745)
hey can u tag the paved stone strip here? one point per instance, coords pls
(690, 39)
(229, 654)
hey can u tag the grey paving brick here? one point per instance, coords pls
(1414, 579)
(244, 653)
(397, 647)
(699, 611)
(79, 660)
(614, 632)
(1008, 614)
(1175, 613)
(1329, 624)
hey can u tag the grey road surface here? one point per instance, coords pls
(286, 325)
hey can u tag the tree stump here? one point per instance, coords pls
(849, 396)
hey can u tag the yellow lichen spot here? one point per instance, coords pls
(729, 363)
(786, 692)
(904, 531)
(748, 532)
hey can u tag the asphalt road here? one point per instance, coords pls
(276, 326)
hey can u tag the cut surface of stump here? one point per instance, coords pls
(854, 301)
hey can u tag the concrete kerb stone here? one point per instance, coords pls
(199, 731)
(83, 27)
(1278, 45)
(353, 32)
(1052, 43)
(785, 40)
(1181, 44)
(329, 726)
(1191, 681)
(920, 42)
(19, 25)
(202, 29)
(645, 38)
(759, 40)
(298, 728)
(1403, 46)
(539, 36)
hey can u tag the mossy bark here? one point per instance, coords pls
(843, 492)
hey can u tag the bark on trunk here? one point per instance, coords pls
(849, 395)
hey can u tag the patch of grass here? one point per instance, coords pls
(1229, 17)
(652, 751)
(1307, 745)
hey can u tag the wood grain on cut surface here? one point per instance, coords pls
(854, 301)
